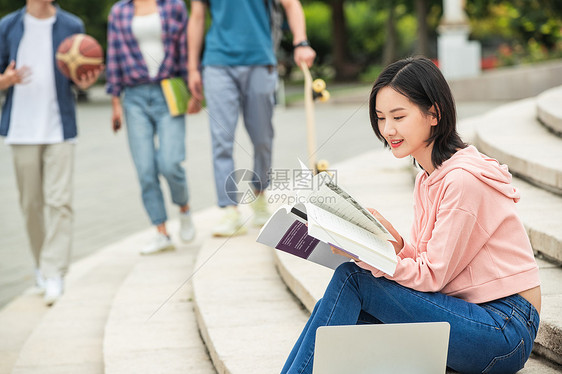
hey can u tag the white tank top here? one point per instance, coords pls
(148, 32)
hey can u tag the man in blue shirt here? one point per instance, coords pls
(238, 71)
(39, 123)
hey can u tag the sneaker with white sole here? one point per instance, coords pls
(230, 224)
(54, 288)
(159, 243)
(39, 287)
(261, 211)
(187, 228)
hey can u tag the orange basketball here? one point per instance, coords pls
(78, 54)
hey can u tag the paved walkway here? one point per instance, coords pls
(107, 199)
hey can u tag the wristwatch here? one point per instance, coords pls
(304, 43)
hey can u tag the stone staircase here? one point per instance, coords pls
(526, 135)
(121, 313)
(234, 306)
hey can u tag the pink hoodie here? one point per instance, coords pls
(467, 240)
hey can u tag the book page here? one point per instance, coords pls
(332, 198)
(334, 224)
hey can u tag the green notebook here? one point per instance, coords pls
(175, 92)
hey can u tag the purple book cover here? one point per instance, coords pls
(296, 241)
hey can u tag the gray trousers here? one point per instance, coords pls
(227, 90)
(44, 176)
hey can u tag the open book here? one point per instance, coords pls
(328, 216)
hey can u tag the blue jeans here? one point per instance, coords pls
(227, 90)
(493, 337)
(148, 118)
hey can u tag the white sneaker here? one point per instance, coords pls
(261, 212)
(230, 224)
(159, 243)
(54, 288)
(187, 228)
(39, 287)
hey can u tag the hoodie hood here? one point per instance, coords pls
(486, 169)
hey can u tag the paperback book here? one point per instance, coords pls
(327, 216)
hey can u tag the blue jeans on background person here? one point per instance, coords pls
(147, 117)
(493, 337)
(227, 90)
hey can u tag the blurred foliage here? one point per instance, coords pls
(518, 31)
(93, 14)
(365, 30)
(319, 29)
(513, 32)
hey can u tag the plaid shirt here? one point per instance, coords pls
(125, 65)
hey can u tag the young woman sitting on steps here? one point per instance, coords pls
(469, 261)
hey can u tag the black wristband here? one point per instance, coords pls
(304, 43)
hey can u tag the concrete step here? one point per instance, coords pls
(549, 110)
(17, 321)
(541, 212)
(68, 338)
(247, 317)
(108, 295)
(308, 281)
(151, 326)
(20, 317)
(513, 135)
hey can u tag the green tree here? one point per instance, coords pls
(93, 13)
(523, 26)
(340, 56)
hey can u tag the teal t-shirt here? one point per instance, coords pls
(240, 34)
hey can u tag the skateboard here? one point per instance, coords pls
(313, 90)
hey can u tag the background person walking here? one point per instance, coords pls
(146, 42)
(39, 123)
(239, 73)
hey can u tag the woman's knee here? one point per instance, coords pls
(343, 275)
(345, 269)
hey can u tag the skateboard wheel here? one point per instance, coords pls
(322, 165)
(318, 85)
(324, 96)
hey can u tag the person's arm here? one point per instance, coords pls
(195, 35)
(297, 24)
(456, 236)
(113, 73)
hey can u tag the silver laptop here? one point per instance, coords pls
(409, 348)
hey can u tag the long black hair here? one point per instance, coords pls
(419, 80)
